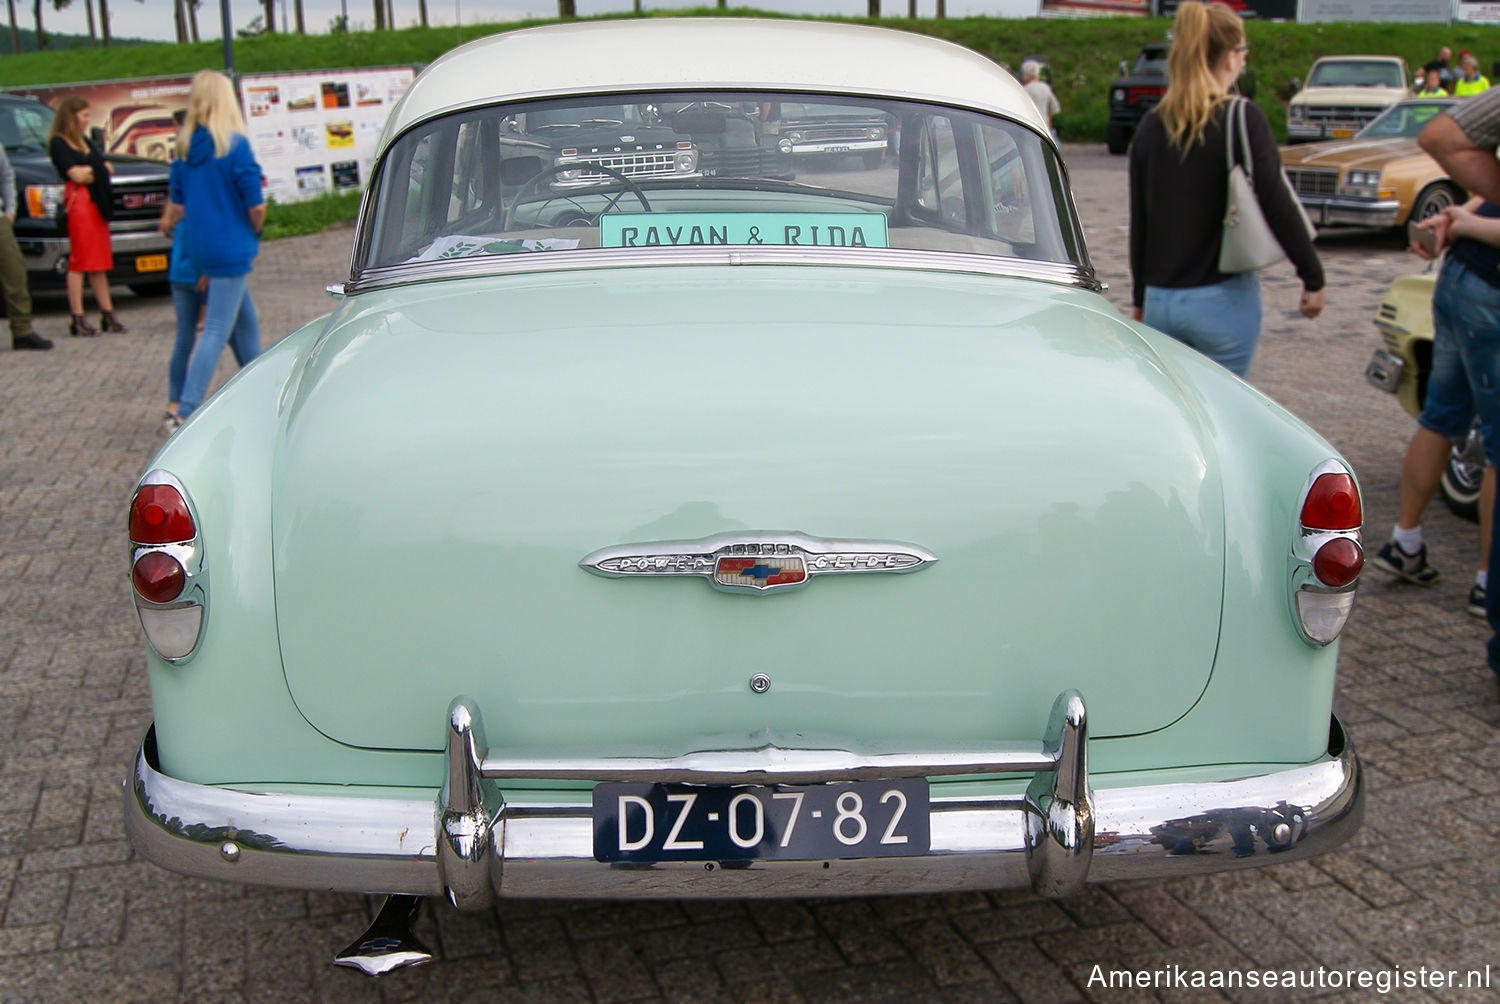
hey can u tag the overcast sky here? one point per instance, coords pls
(153, 18)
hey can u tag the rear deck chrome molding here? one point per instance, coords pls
(577, 260)
(469, 846)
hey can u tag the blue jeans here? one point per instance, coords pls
(1221, 321)
(230, 312)
(1448, 408)
(1466, 314)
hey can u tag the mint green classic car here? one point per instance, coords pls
(728, 535)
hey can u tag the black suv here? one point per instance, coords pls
(140, 192)
(1138, 89)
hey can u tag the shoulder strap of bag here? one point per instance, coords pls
(1229, 135)
(1234, 122)
(1244, 135)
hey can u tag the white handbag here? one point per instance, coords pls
(1248, 243)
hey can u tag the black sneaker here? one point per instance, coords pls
(1476, 600)
(1411, 567)
(30, 340)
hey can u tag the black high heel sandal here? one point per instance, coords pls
(108, 322)
(79, 327)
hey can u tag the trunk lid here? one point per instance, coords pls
(452, 451)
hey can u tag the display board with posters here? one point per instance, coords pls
(1265, 10)
(1487, 12)
(315, 133)
(135, 116)
(1375, 10)
(1105, 8)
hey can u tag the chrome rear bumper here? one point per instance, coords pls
(471, 845)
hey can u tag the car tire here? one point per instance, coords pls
(1460, 482)
(1118, 138)
(1429, 202)
(150, 288)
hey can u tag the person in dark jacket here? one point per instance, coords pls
(13, 267)
(1179, 190)
(88, 203)
(216, 184)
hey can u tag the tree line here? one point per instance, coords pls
(185, 17)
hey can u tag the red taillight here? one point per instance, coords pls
(1332, 504)
(1338, 562)
(159, 515)
(158, 577)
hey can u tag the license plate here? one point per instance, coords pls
(1341, 133)
(151, 263)
(638, 822)
(839, 149)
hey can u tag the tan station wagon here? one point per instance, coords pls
(1378, 178)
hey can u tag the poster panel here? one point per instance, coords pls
(1265, 10)
(1479, 13)
(1099, 7)
(314, 133)
(1375, 10)
(135, 116)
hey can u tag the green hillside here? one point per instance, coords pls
(1084, 53)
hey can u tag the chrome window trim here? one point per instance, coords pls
(365, 219)
(573, 261)
(779, 87)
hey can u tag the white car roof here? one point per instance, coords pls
(688, 53)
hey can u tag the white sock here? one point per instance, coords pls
(1409, 541)
(1482, 580)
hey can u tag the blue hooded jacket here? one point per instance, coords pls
(216, 194)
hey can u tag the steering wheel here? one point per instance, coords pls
(547, 173)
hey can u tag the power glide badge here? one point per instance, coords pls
(756, 562)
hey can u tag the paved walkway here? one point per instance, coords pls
(81, 918)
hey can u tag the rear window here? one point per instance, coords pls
(658, 171)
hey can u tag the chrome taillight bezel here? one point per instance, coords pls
(1305, 592)
(187, 612)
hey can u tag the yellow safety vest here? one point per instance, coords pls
(1464, 88)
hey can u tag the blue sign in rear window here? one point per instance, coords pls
(835, 230)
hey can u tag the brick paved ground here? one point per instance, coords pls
(79, 917)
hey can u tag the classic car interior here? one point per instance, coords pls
(494, 181)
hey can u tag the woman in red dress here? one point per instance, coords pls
(87, 199)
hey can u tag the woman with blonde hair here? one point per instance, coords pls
(1179, 190)
(88, 203)
(216, 184)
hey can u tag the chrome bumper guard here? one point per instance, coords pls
(1351, 212)
(471, 845)
(1384, 371)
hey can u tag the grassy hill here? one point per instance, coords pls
(1084, 53)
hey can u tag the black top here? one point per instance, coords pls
(1482, 259)
(64, 156)
(1177, 205)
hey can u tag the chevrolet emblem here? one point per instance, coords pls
(756, 562)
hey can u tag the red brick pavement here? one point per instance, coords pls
(80, 917)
